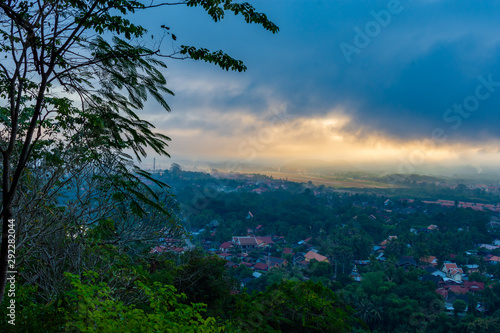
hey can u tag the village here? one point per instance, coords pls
(262, 254)
(267, 230)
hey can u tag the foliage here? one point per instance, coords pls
(293, 307)
(91, 308)
(204, 279)
(73, 77)
(33, 314)
(459, 306)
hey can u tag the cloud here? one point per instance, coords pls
(392, 95)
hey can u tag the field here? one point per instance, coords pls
(331, 180)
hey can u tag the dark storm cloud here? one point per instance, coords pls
(424, 57)
(425, 60)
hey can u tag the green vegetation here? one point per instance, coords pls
(102, 245)
(107, 279)
(75, 77)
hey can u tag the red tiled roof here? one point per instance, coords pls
(456, 270)
(158, 249)
(279, 261)
(474, 285)
(388, 239)
(442, 291)
(461, 289)
(452, 268)
(260, 266)
(225, 245)
(265, 239)
(430, 260)
(450, 265)
(313, 255)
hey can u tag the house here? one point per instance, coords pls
(179, 250)
(246, 243)
(406, 262)
(158, 249)
(225, 255)
(266, 240)
(313, 255)
(464, 288)
(488, 247)
(171, 242)
(452, 271)
(275, 262)
(260, 266)
(231, 264)
(431, 260)
(494, 260)
(472, 268)
(436, 272)
(474, 286)
(303, 264)
(390, 238)
(287, 250)
(225, 247)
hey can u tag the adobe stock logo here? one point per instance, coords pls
(372, 29)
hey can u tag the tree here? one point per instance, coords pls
(294, 307)
(459, 306)
(101, 233)
(91, 308)
(74, 75)
(204, 279)
(175, 170)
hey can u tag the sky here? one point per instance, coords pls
(407, 82)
